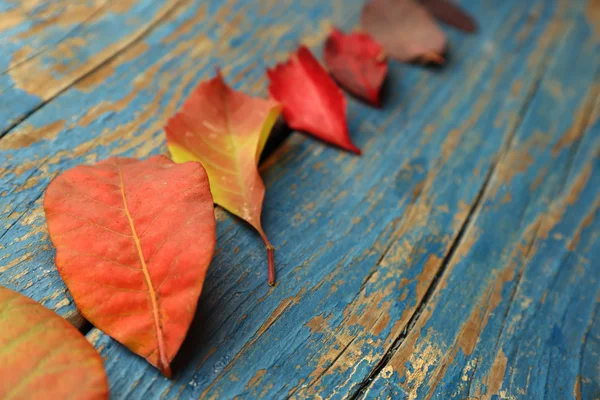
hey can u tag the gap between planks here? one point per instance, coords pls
(474, 209)
(448, 258)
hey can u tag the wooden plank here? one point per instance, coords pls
(124, 112)
(333, 318)
(29, 28)
(332, 309)
(46, 47)
(512, 314)
(588, 384)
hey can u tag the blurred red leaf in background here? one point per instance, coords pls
(405, 29)
(357, 62)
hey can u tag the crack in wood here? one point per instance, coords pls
(430, 290)
(458, 241)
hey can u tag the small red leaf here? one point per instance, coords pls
(450, 13)
(312, 102)
(357, 62)
(405, 29)
(133, 243)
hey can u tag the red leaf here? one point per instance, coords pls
(133, 243)
(226, 131)
(450, 13)
(43, 356)
(357, 62)
(405, 29)
(311, 100)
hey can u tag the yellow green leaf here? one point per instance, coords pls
(227, 131)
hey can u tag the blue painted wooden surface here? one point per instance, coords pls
(457, 257)
(47, 46)
(531, 257)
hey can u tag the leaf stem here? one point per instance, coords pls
(271, 258)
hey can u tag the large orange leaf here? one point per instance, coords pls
(43, 356)
(226, 131)
(133, 243)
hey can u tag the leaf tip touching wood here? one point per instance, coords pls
(432, 58)
(166, 371)
(353, 149)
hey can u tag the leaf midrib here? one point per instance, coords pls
(241, 185)
(163, 363)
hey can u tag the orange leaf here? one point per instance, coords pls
(43, 356)
(226, 131)
(133, 243)
(405, 29)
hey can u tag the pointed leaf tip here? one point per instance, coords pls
(452, 14)
(357, 62)
(312, 102)
(226, 131)
(134, 235)
(432, 58)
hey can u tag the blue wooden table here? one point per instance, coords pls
(458, 257)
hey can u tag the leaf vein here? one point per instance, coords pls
(74, 187)
(90, 222)
(163, 363)
(182, 226)
(93, 255)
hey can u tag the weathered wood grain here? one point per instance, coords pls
(359, 240)
(30, 28)
(588, 384)
(335, 320)
(47, 46)
(124, 113)
(513, 312)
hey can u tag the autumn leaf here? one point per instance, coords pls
(312, 102)
(133, 243)
(405, 29)
(450, 13)
(226, 131)
(357, 62)
(43, 356)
